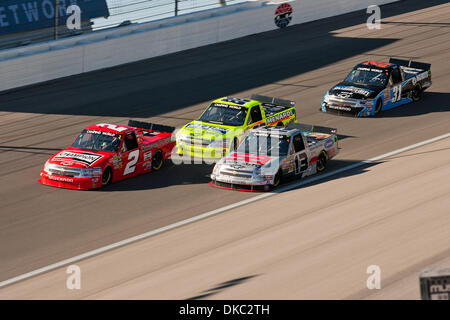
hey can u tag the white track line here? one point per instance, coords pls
(213, 212)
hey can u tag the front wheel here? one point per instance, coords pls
(276, 180)
(107, 176)
(378, 106)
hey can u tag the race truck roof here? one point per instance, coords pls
(278, 131)
(230, 101)
(132, 124)
(106, 127)
(376, 64)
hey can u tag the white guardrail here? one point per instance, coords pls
(56, 59)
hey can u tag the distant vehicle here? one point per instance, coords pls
(226, 121)
(372, 87)
(105, 153)
(269, 155)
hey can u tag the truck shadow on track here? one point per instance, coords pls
(432, 102)
(185, 174)
(220, 287)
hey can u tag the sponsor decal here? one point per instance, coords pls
(110, 134)
(339, 107)
(147, 155)
(344, 95)
(279, 116)
(61, 179)
(369, 69)
(364, 92)
(387, 96)
(422, 76)
(97, 172)
(250, 158)
(283, 15)
(329, 143)
(147, 164)
(288, 164)
(85, 157)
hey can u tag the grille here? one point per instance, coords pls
(65, 171)
(239, 175)
(343, 108)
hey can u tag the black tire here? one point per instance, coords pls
(417, 93)
(321, 162)
(107, 176)
(234, 145)
(157, 160)
(378, 106)
(277, 180)
(280, 124)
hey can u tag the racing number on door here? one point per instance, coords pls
(301, 163)
(396, 93)
(131, 165)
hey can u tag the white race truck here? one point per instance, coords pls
(269, 155)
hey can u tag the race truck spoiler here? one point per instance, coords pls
(411, 64)
(312, 128)
(272, 100)
(150, 126)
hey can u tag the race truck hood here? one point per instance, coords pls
(77, 158)
(246, 158)
(207, 131)
(354, 91)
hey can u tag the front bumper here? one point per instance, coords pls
(70, 182)
(352, 108)
(351, 112)
(240, 183)
(200, 152)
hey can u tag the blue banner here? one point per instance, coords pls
(25, 15)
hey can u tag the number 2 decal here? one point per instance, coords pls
(396, 93)
(131, 166)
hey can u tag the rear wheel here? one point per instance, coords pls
(417, 93)
(322, 162)
(378, 106)
(157, 160)
(107, 176)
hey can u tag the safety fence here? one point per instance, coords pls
(25, 22)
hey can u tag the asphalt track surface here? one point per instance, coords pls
(315, 249)
(42, 225)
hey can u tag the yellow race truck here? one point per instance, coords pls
(226, 121)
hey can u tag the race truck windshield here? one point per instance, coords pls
(367, 76)
(98, 141)
(224, 114)
(265, 145)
